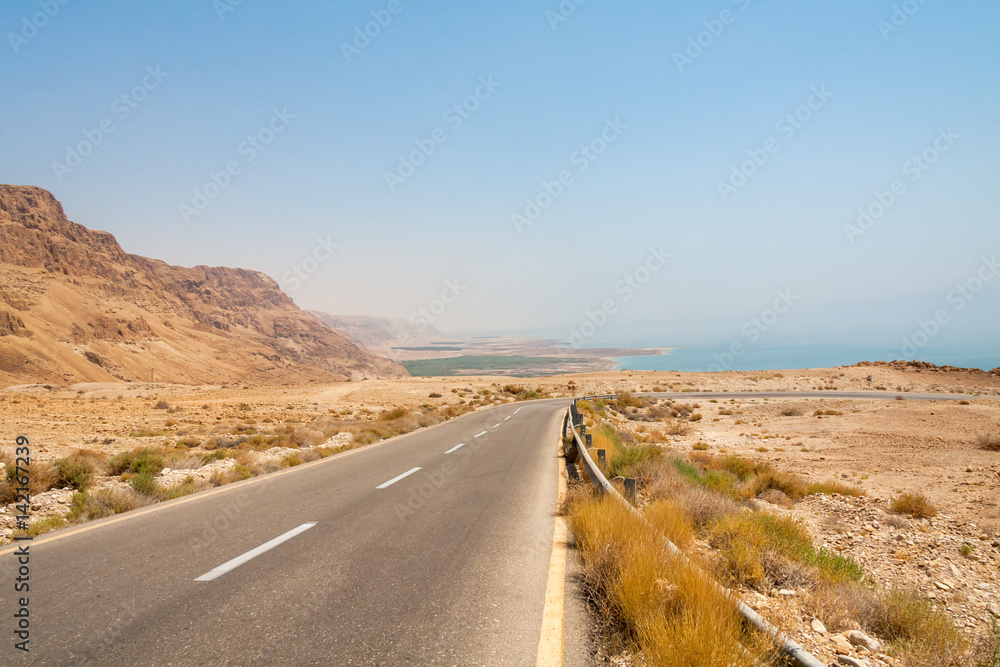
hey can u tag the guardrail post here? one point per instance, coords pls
(630, 490)
(589, 440)
(602, 458)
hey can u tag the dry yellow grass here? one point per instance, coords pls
(663, 607)
(914, 504)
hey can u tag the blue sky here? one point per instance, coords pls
(553, 87)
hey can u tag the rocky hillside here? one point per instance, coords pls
(76, 307)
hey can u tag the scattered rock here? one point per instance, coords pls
(852, 662)
(858, 638)
(841, 645)
(817, 626)
(785, 593)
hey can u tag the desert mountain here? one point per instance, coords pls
(381, 333)
(76, 307)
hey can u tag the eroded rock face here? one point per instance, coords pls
(73, 291)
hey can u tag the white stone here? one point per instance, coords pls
(858, 638)
(852, 662)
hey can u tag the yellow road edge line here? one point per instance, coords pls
(552, 639)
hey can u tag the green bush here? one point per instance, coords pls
(139, 461)
(144, 483)
(75, 472)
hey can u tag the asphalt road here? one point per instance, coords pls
(446, 566)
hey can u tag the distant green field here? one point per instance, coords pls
(429, 349)
(479, 364)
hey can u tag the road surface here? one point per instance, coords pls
(429, 549)
(446, 565)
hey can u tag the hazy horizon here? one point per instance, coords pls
(134, 116)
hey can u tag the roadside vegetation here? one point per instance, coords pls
(711, 504)
(653, 603)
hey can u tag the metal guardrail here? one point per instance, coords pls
(786, 646)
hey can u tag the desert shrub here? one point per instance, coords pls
(990, 442)
(226, 441)
(291, 460)
(833, 486)
(241, 472)
(776, 497)
(161, 405)
(75, 472)
(178, 490)
(365, 437)
(7, 492)
(138, 461)
(632, 461)
(920, 634)
(51, 523)
(627, 400)
(102, 503)
(676, 427)
(42, 477)
(987, 650)
(756, 548)
(144, 483)
(395, 413)
(791, 412)
(217, 455)
(914, 504)
(304, 437)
